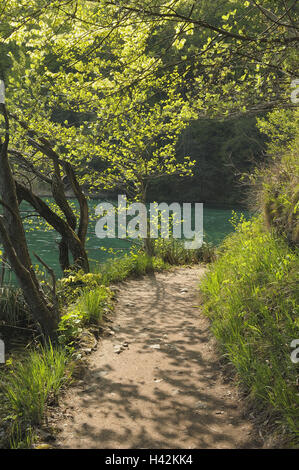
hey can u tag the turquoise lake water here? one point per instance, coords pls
(44, 242)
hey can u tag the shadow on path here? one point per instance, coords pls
(164, 390)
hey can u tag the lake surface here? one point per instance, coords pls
(44, 241)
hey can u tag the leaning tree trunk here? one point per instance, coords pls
(70, 240)
(64, 259)
(15, 245)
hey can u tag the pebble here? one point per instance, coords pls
(118, 348)
(102, 373)
(201, 405)
(86, 350)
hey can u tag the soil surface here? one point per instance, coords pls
(156, 382)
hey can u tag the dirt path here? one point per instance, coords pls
(164, 389)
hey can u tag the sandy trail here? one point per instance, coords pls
(165, 389)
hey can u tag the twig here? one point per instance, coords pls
(52, 274)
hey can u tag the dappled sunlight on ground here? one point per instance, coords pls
(164, 388)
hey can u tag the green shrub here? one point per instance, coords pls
(251, 296)
(280, 195)
(72, 286)
(277, 186)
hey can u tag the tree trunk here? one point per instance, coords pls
(42, 311)
(64, 255)
(15, 244)
(83, 224)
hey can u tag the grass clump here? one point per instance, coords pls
(27, 386)
(132, 265)
(87, 310)
(92, 304)
(173, 252)
(251, 296)
(13, 309)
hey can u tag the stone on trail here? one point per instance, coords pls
(155, 346)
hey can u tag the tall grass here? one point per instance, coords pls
(167, 252)
(251, 296)
(133, 265)
(173, 252)
(87, 310)
(13, 309)
(28, 386)
(92, 304)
